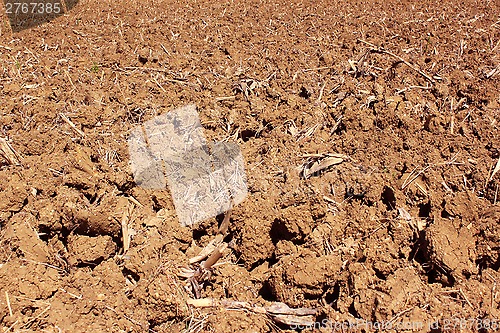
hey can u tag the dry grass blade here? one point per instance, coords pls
(70, 123)
(7, 152)
(127, 212)
(29, 322)
(416, 178)
(7, 299)
(497, 168)
(11, 326)
(307, 132)
(135, 201)
(225, 98)
(493, 72)
(466, 298)
(336, 125)
(196, 324)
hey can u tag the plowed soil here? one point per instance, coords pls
(405, 230)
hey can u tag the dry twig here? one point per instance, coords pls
(382, 50)
(8, 303)
(8, 153)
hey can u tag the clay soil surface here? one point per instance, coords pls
(406, 229)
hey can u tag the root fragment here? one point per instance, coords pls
(277, 311)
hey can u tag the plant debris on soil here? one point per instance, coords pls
(370, 133)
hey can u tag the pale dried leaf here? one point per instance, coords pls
(404, 214)
(321, 165)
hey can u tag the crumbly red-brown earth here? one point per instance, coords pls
(407, 229)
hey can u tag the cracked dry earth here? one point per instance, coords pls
(404, 229)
